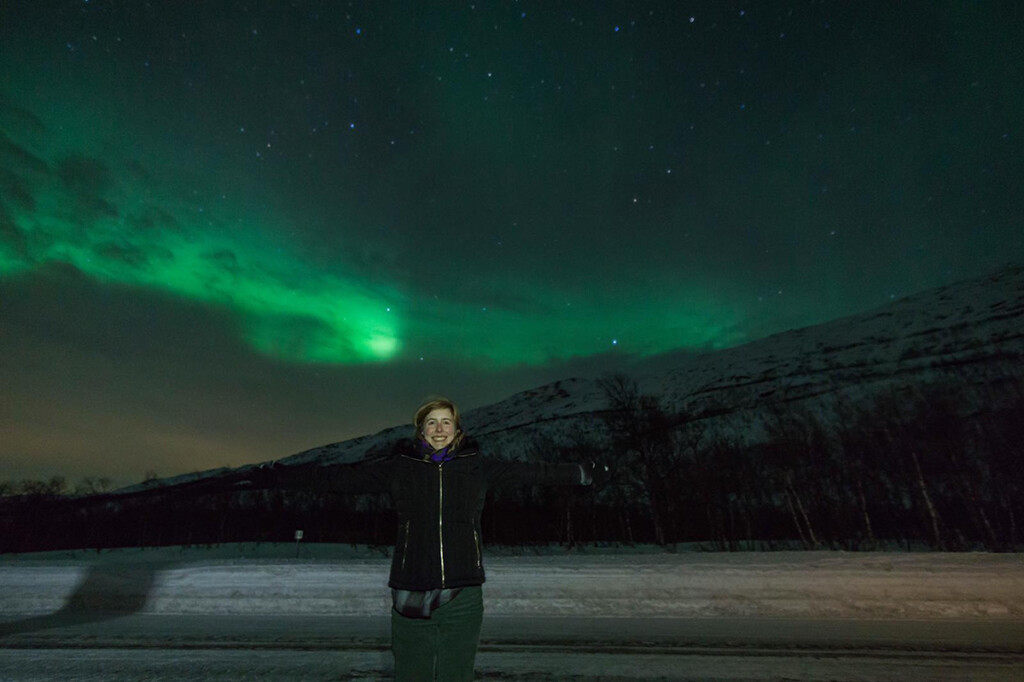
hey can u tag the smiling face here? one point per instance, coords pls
(439, 428)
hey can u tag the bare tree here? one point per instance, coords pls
(641, 429)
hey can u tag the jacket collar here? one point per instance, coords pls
(410, 449)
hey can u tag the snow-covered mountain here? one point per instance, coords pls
(971, 333)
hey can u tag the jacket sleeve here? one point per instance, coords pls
(370, 476)
(503, 472)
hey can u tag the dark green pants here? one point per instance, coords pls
(442, 647)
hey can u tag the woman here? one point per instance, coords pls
(437, 482)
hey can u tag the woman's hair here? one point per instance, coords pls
(437, 403)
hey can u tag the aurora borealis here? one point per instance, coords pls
(233, 230)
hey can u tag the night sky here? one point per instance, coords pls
(231, 231)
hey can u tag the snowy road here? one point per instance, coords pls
(158, 647)
(230, 614)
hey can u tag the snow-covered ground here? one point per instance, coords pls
(258, 612)
(345, 581)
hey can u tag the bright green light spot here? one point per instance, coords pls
(383, 345)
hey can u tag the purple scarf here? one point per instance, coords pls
(436, 456)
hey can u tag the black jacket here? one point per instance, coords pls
(438, 505)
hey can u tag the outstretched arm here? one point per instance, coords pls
(508, 472)
(371, 476)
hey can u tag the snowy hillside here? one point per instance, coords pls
(973, 331)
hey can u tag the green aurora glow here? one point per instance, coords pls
(396, 187)
(121, 231)
(84, 201)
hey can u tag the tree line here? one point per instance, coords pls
(914, 466)
(909, 468)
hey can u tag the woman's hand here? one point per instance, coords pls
(598, 474)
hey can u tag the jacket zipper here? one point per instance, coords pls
(476, 541)
(440, 515)
(405, 546)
